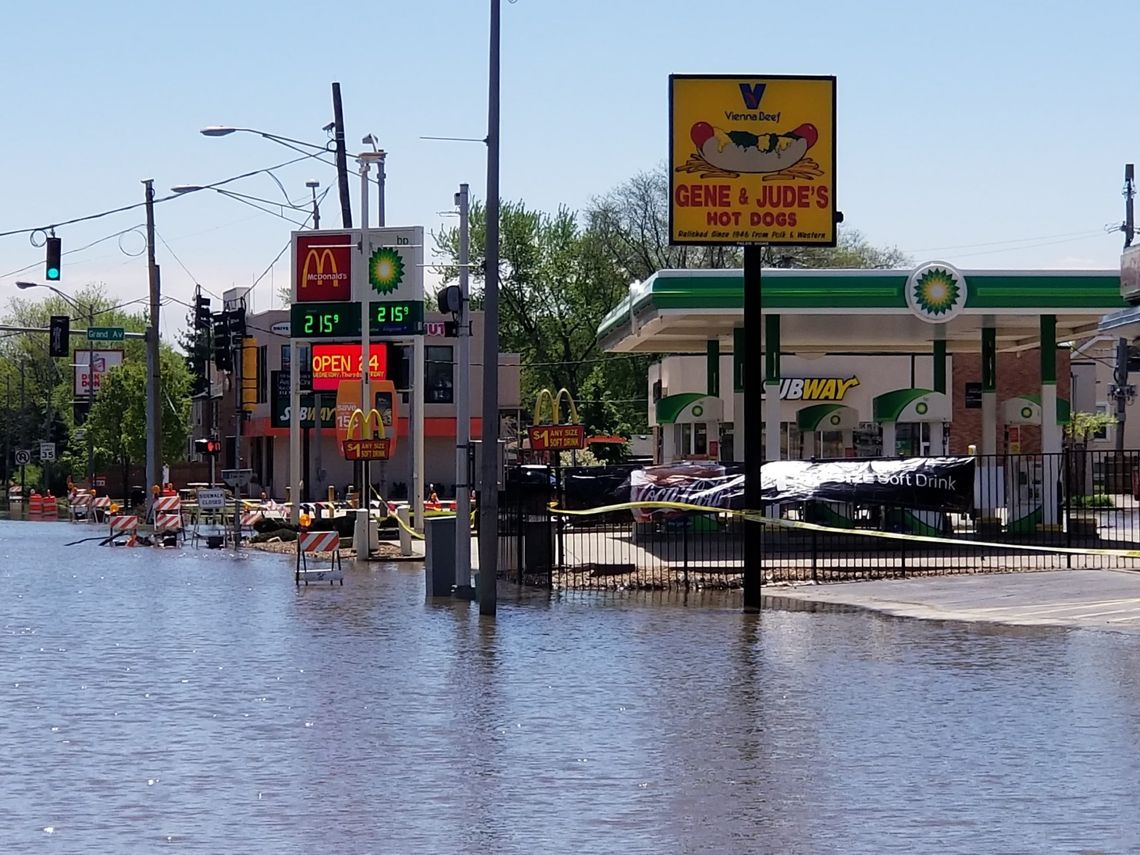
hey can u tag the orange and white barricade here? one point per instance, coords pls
(51, 507)
(79, 505)
(312, 542)
(165, 509)
(100, 509)
(36, 506)
(166, 521)
(125, 524)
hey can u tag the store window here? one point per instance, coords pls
(439, 373)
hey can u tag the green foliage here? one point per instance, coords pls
(1082, 426)
(562, 273)
(46, 385)
(1097, 500)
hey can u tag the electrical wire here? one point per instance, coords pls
(174, 255)
(137, 205)
(1002, 242)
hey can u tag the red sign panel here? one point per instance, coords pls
(335, 362)
(323, 268)
(557, 437)
(367, 449)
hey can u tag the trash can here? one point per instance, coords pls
(439, 555)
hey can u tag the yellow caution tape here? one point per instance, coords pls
(775, 522)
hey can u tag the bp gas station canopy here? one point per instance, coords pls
(680, 311)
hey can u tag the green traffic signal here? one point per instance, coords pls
(52, 267)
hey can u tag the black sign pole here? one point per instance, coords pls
(753, 427)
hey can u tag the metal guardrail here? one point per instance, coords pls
(1024, 505)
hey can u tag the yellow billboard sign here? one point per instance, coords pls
(752, 160)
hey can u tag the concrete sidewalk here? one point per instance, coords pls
(1089, 599)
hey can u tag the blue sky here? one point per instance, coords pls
(984, 134)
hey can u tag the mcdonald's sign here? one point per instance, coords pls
(372, 442)
(551, 434)
(322, 266)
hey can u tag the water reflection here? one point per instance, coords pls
(201, 700)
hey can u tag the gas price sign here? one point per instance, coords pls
(342, 320)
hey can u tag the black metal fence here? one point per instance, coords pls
(1073, 509)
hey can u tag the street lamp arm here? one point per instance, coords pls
(66, 298)
(289, 142)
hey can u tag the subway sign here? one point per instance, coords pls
(816, 388)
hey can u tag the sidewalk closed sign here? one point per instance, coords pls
(211, 500)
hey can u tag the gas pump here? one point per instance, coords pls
(918, 407)
(1031, 492)
(815, 423)
(690, 427)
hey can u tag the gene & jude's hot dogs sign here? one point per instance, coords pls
(752, 160)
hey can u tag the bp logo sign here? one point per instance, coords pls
(698, 411)
(921, 408)
(385, 270)
(936, 292)
(835, 419)
(1026, 412)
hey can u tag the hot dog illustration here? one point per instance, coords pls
(744, 151)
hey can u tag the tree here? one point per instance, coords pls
(48, 384)
(562, 273)
(118, 419)
(557, 282)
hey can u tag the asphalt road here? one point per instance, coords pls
(1090, 599)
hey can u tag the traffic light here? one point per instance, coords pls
(209, 447)
(223, 356)
(235, 323)
(450, 300)
(60, 344)
(52, 268)
(202, 316)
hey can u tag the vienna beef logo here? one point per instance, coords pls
(324, 268)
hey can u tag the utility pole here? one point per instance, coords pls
(237, 357)
(489, 491)
(1120, 375)
(341, 163)
(90, 402)
(153, 413)
(463, 405)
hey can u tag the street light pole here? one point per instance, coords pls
(463, 404)
(489, 493)
(153, 413)
(90, 401)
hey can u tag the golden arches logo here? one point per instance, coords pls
(555, 402)
(371, 426)
(314, 268)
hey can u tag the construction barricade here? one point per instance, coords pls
(125, 525)
(311, 543)
(79, 506)
(100, 508)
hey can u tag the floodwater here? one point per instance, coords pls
(199, 702)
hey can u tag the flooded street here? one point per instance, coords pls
(199, 701)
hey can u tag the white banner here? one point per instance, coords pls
(104, 361)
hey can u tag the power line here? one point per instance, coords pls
(125, 208)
